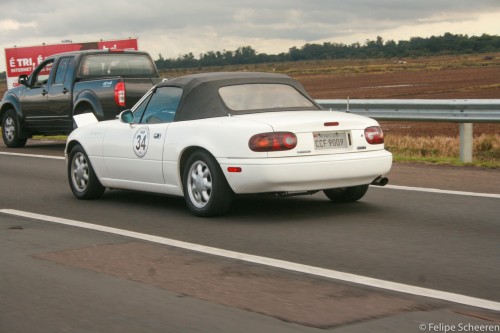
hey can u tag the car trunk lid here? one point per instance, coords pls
(319, 132)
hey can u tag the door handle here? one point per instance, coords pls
(44, 92)
(65, 90)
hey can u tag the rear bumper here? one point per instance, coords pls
(306, 173)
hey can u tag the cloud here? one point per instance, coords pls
(9, 25)
(173, 28)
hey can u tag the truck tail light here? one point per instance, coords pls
(273, 141)
(120, 94)
(374, 135)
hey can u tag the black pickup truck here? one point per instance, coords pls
(104, 82)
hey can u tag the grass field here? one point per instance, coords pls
(444, 149)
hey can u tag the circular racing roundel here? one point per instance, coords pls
(141, 141)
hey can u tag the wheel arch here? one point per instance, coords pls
(188, 151)
(70, 145)
(184, 156)
(10, 103)
(88, 101)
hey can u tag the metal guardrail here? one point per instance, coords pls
(446, 110)
(464, 112)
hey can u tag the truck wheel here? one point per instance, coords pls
(10, 130)
(81, 176)
(346, 194)
(205, 188)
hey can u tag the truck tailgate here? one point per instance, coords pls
(135, 88)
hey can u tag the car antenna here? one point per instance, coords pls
(347, 105)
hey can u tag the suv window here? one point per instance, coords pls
(62, 67)
(41, 77)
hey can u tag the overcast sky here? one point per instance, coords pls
(174, 28)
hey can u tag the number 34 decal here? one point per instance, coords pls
(141, 141)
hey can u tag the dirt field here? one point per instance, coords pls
(443, 77)
(461, 77)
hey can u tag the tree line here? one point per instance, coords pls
(378, 48)
(415, 47)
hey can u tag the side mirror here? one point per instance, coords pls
(127, 117)
(23, 79)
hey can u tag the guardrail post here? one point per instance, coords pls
(466, 142)
(463, 112)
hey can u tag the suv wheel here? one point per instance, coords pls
(10, 130)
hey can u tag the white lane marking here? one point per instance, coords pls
(317, 271)
(33, 155)
(394, 187)
(435, 190)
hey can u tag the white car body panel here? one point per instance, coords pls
(120, 159)
(110, 145)
(306, 173)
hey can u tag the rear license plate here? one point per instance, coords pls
(330, 140)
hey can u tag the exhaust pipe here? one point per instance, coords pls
(380, 181)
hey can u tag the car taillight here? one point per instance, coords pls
(273, 141)
(374, 135)
(120, 94)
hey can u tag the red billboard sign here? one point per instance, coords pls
(22, 60)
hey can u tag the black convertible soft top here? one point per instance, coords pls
(201, 99)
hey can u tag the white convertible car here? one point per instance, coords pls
(209, 137)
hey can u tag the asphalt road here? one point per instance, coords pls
(441, 241)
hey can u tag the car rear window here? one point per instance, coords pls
(259, 96)
(126, 65)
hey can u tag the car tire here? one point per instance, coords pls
(206, 190)
(81, 176)
(346, 194)
(11, 130)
